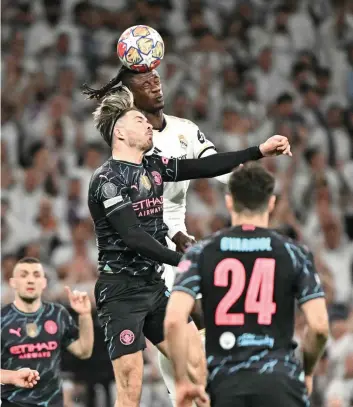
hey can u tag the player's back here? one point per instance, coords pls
(251, 278)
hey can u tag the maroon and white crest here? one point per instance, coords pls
(127, 337)
(51, 327)
(157, 177)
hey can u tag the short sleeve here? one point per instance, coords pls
(70, 331)
(200, 143)
(188, 277)
(307, 284)
(112, 191)
(167, 168)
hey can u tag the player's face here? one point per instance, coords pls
(139, 131)
(147, 91)
(28, 281)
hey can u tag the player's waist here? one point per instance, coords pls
(249, 357)
(147, 273)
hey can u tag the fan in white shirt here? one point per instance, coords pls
(172, 137)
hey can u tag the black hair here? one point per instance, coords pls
(29, 260)
(251, 187)
(322, 71)
(298, 68)
(123, 76)
(284, 98)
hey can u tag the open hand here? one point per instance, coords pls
(79, 301)
(187, 392)
(275, 145)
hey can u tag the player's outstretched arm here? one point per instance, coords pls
(26, 378)
(80, 303)
(222, 163)
(125, 222)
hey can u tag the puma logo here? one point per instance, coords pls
(16, 332)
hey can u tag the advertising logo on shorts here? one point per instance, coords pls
(157, 177)
(127, 337)
(51, 327)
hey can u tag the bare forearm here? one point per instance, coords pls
(314, 345)
(86, 335)
(176, 335)
(7, 376)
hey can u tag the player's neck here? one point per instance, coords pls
(260, 220)
(156, 119)
(131, 156)
(26, 307)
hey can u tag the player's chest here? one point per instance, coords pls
(146, 193)
(26, 338)
(172, 145)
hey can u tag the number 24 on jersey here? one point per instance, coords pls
(261, 286)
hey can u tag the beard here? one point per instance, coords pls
(148, 146)
(29, 300)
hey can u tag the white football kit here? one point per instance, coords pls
(180, 138)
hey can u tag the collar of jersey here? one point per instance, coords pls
(127, 162)
(27, 313)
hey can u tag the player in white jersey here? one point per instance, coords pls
(172, 137)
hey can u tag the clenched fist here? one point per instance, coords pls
(182, 241)
(275, 145)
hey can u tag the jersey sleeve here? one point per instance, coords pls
(188, 277)
(70, 331)
(307, 283)
(112, 191)
(200, 143)
(168, 168)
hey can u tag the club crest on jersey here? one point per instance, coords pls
(32, 330)
(146, 182)
(109, 190)
(157, 177)
(201, 137)
(183, 141)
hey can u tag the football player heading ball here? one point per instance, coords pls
(172, 137)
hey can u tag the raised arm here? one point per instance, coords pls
(223, 163)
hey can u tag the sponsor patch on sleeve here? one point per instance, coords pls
(112, 201)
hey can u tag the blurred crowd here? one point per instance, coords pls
(243, 70)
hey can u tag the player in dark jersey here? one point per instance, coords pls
(33, 333)
(126, 204)
(251, 278)
(24, 377)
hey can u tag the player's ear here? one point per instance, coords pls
(45, 283)
(119, 133)
(229, 203)
(272, 203)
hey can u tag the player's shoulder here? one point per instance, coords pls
(299, 254)
(102, 171)
(108, 173)
(6, 309)
(184, 124)
(290, 244)
(204, 244)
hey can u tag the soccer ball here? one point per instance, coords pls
(140, 48)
